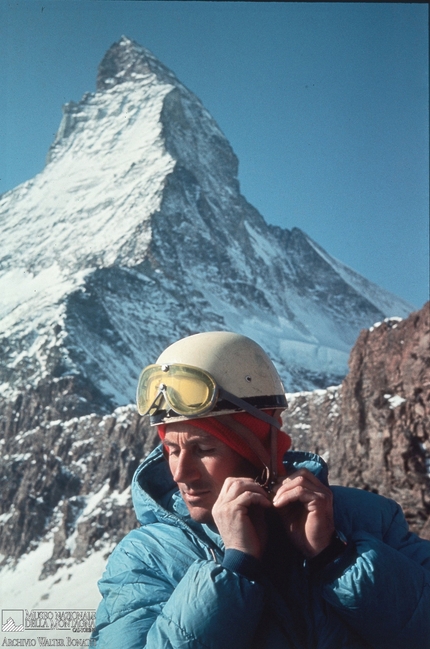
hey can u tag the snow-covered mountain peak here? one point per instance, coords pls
(136, 234)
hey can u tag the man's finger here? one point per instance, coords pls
(305, 493)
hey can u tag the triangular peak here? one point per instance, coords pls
(126, 60)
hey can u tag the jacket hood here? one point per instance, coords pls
(153, 488)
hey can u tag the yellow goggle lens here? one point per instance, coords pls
(187, 390)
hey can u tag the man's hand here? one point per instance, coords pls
(306, 509)
(239, 516)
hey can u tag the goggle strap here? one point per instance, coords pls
(252, 410)
(157, 401)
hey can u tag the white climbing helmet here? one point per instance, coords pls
(208, 374)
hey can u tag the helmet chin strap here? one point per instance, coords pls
(274, 454)
(266, 457)
(274, 427)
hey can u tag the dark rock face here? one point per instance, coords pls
(374, 429)
(67, 481)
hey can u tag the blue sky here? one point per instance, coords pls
(325, 105)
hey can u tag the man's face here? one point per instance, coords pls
(200, 463)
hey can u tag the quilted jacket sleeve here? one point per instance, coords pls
(384, 592)
(143, 607)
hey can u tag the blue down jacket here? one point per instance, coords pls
(165, 588)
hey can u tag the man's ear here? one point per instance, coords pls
(165, 453)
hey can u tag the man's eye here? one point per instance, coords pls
(205, 451)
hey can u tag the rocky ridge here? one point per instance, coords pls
(67, 481)
(374, 429)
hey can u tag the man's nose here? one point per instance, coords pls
(184, 468)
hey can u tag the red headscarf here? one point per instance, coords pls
(259, 428)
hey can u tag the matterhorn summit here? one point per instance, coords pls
(136, 234)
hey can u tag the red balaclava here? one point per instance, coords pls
(259, 428)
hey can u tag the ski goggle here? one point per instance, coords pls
(188, 391)
(191, 392)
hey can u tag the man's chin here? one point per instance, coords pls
(200, 514)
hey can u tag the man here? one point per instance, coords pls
(243, 544)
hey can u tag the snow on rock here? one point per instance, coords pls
(21, 586)
(66, 502)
